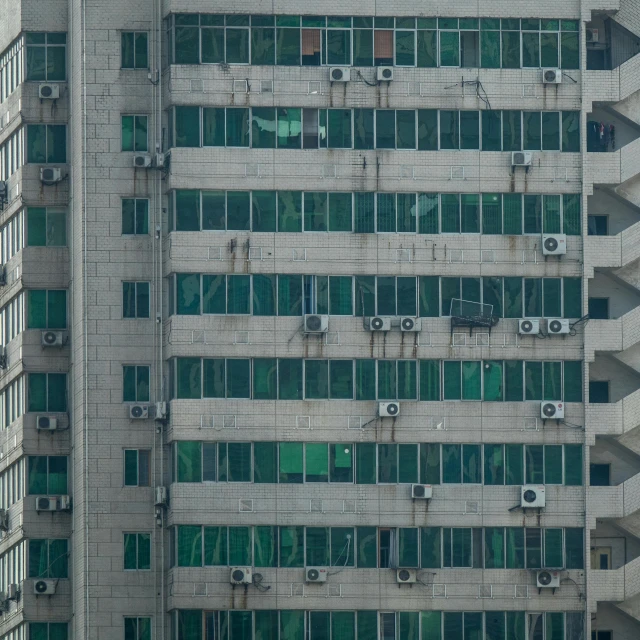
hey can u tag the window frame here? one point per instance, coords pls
(147, 480)
(135, 117)
(134, 33)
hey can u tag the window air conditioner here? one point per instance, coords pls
(49, 91)
(46, 423)
(340, 74)
(554, 244)
(410, 324)
(528, 326)
(316, 323)
(52, 338)
(551, 76)
(142, 160)
(138, 411)
(240, 575)
(521, 158)
(378, 323)
(532, 496)
(421, 491)
(406, 576)
(547, 579)
(388, 409)
(315, 574)
(44, 587)
(552, 410)
(385, 74)
(557, 326)
(50, 175)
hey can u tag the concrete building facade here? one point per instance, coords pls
(321, 322)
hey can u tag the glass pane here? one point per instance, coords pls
(427, 129)
(553, 549)
(449, 49)
(289, 211)
(491, 127)
(550, 131)
(263, 128)
(427, 48)
(366, 463)
(339, 123)
(237, 46)
(385, 129)
(316, 462)
(265, 468)
(187, 126)
(213, 126)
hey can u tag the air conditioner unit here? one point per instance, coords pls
(421, 491)
(161, 497)
(49, 91)
(64, 503)
(557, 326)
(548, 579)
(551, 76)
(528, 326)
(159, 160)
(378, 323)
(593, 35)
(13, 592)
(142, 160)
(46, 423)
(47, 503)
(521, 158)
(410, 324)
(554, 244)
(388, 409)
(52, 338)
(532, 496)
(4, 520)
(316, 324)
(50, 175)
(340, 74)
(552, 410)
(385, 74)
(240, 575)
(138, 411)
(44, 587)
(161, 410)
(315, 574)
(406, 576)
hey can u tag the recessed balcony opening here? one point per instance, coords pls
(611, 464)
(610, 547)
(608, 43)
(610, 297)
(621, 377)
(609, 213)
(608, 130)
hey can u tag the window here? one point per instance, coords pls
(135, 383)
(599, 475)
(137, 468)
(424, 213)
(364, 41)
(46, 143)
(47, 309)
(508, 380)
(135, 216)
(424, 129)
(47, 392)
(134, 133)
(48, 559)
(46, 227)
(599, 308)
(137, 551)
(134, 50)
(137, 629)
(599, 391)
(48, 631)
(135, 299)
(598, 225)
(46, 56)
(47, 475)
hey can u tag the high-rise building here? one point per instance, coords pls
(319, 322)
